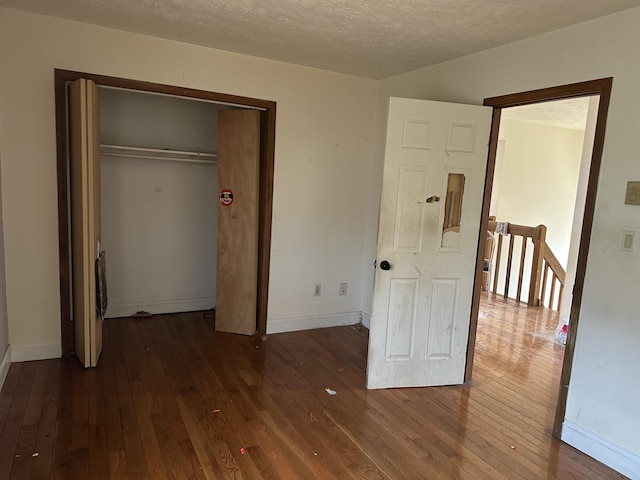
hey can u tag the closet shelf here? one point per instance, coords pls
(158, 154)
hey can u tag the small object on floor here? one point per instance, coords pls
(141, 314)
(330, 392)
(513, 447)
(215, 410)
(35, 454)
(562, 334)
(243, 451)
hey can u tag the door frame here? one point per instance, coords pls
(601, 87)
(267, 156)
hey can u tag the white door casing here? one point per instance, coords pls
(422, 304)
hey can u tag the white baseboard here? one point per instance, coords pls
(4, 366)
(601, 449)
(25, 352)
(366, 320)
(118, 310)
(281, 325)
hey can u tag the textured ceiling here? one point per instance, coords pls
(369, 38)
(570, 113)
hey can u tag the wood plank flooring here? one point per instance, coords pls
(171, 399)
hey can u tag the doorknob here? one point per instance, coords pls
(384, 265)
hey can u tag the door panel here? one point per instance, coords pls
(435, 162)
(239, 172)
(85, 218)
(442, 315)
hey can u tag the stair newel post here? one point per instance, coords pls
(539, 242)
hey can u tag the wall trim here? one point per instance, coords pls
(26, 352)
(118, 310)
(4, 366)
(282, 325)
(601, 449)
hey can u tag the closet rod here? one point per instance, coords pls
(158, 154)
(170, 159)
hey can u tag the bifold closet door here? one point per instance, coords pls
(237, 254)
(85, 218)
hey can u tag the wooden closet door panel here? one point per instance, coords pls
(93, 159)
(237, 251)
(85, 218)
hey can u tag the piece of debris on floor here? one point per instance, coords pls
(330, 392)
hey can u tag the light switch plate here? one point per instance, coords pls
(629, 240)
(632, 197)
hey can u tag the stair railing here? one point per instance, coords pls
(546, 271)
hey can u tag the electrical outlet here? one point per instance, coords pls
(343, 289)
(317, 290)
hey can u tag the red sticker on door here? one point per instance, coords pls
(226, 197)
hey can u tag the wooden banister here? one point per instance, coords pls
(539, 248)
(546, 270)
(557, 277)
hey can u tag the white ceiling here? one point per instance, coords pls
(369, 38)
(570, 113)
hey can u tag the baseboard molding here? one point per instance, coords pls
(366, 320)
(26, 352)
(601, 449)
(282, 325)
(118, 310)
(4, 366)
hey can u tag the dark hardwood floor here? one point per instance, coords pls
(172, 399)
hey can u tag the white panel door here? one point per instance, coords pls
(85, 218)
(434, 171)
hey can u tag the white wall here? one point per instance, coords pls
(141, 119)
(324, 131)
(159, 234)
(158, 217)
(537, 185)
(578, 212)
(602, 403)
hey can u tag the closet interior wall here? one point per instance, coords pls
(159, 214)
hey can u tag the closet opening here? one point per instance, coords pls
(159, 195)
